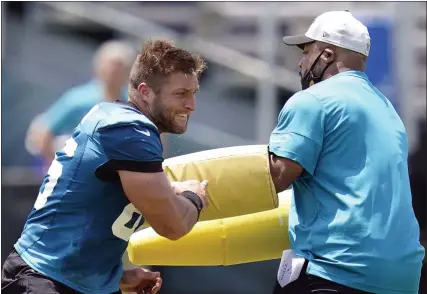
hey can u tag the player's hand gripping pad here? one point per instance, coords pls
(242, 239)
(239, 180)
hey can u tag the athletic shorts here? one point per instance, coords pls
(309, 284)
(17, 277)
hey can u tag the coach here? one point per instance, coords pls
(344, 149)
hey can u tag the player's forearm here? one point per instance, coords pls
(189, 215)
(182, 219)
(170, 215)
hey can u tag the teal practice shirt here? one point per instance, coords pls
(66, 113)
(351, 214)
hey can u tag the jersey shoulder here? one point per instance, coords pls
(105, 116)
(121, 114)
(122, 132)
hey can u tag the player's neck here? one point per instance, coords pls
(144, 109)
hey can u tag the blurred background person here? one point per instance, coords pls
(111, 66)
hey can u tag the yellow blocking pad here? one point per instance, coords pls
(231, 173)
(236, 240)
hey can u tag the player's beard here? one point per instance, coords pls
(168, 121)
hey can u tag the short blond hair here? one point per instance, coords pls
(160, 58)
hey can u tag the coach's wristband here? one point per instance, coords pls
(195, 199)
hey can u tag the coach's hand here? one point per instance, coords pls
(140, 281)
(194, 186)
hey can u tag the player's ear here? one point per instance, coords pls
(144, 90)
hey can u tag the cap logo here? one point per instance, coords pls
(325, 35)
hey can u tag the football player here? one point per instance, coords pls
(107, 181)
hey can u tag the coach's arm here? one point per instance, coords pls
(296, 141)
(283, 172)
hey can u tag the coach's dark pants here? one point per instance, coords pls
(307, 284)
(19, 278)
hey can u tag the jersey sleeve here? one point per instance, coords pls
(299, 132)
(133, 147)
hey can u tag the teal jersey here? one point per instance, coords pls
(351, 213)
(81, 222)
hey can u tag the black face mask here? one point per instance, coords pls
(309, 79)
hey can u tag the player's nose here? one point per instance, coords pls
(190, 103)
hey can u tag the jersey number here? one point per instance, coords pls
(54, 173)
(127, 223)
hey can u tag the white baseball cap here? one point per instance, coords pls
(338, 28)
